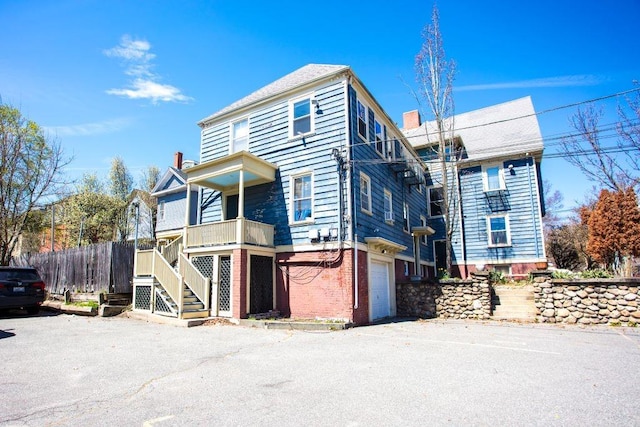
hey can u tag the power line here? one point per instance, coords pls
(536, 113)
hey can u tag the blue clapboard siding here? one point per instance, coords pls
(522, 207)
(269, 139)
(368, 161)
(434, 179)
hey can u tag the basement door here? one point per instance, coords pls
(261, 284)
(379, 290)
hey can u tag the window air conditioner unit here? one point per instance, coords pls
(388, 216)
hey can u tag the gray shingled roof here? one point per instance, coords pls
(301, 76)
(505, 129)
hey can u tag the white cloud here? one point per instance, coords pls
(561, 81)
(147, 89)
(86, 129)
(137, 58)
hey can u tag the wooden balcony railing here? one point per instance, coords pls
(229, 232)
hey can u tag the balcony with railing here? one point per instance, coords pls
(230, 232)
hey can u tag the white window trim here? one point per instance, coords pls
(366, 120)
(366, 177)
(507, 227)
(429, 202)
(390, 194)
(485, 178)
(231, 136)
(292, 190)
(312, 115)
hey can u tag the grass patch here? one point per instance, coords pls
(92, 304)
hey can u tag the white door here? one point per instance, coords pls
(379, 295)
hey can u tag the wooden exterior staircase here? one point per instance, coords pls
(178, 289)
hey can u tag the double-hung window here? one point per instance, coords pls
(388, 206)
(239, 136)
(498, 230)
(362, 120)
(301, 119)
(379, 137)
(436, 201)
(302, 198)
(493, 178)
(365, 193)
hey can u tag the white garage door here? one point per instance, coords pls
(379, 295)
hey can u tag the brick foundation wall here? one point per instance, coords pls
(313, 285)
(239, 284)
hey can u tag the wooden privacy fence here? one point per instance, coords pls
(102, 267)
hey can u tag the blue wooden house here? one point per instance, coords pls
(311, 203)
(497, 187)
(171, 195)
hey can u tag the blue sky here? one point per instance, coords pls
(132, 78)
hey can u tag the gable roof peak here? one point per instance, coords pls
(304, 75)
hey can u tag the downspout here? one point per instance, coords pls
(351, 197)
(533, 212)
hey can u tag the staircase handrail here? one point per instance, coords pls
(170, 280)
(196, 281)
(171, 251)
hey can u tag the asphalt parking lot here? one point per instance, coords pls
(67, 370)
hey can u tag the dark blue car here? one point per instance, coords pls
(21, 287)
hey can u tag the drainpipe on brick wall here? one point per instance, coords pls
(351, 194)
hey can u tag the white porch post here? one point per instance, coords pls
(187, 216)
(240, 218)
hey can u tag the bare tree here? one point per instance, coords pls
(150, 178)
(31, 173)
(121, 184)
(615, 166)
(435, 75)
(553, 204)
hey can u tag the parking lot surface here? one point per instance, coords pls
(66, 370)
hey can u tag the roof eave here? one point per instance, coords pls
(220, 117)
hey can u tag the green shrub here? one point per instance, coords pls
(497, 277)
(562, 274)
(596, 273)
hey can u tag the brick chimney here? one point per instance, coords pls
(411, 119)
(177, 160)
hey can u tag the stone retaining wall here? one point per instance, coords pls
(466, 299)
(592, 301)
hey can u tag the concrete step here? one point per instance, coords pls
(195, 314)
(514, 304)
